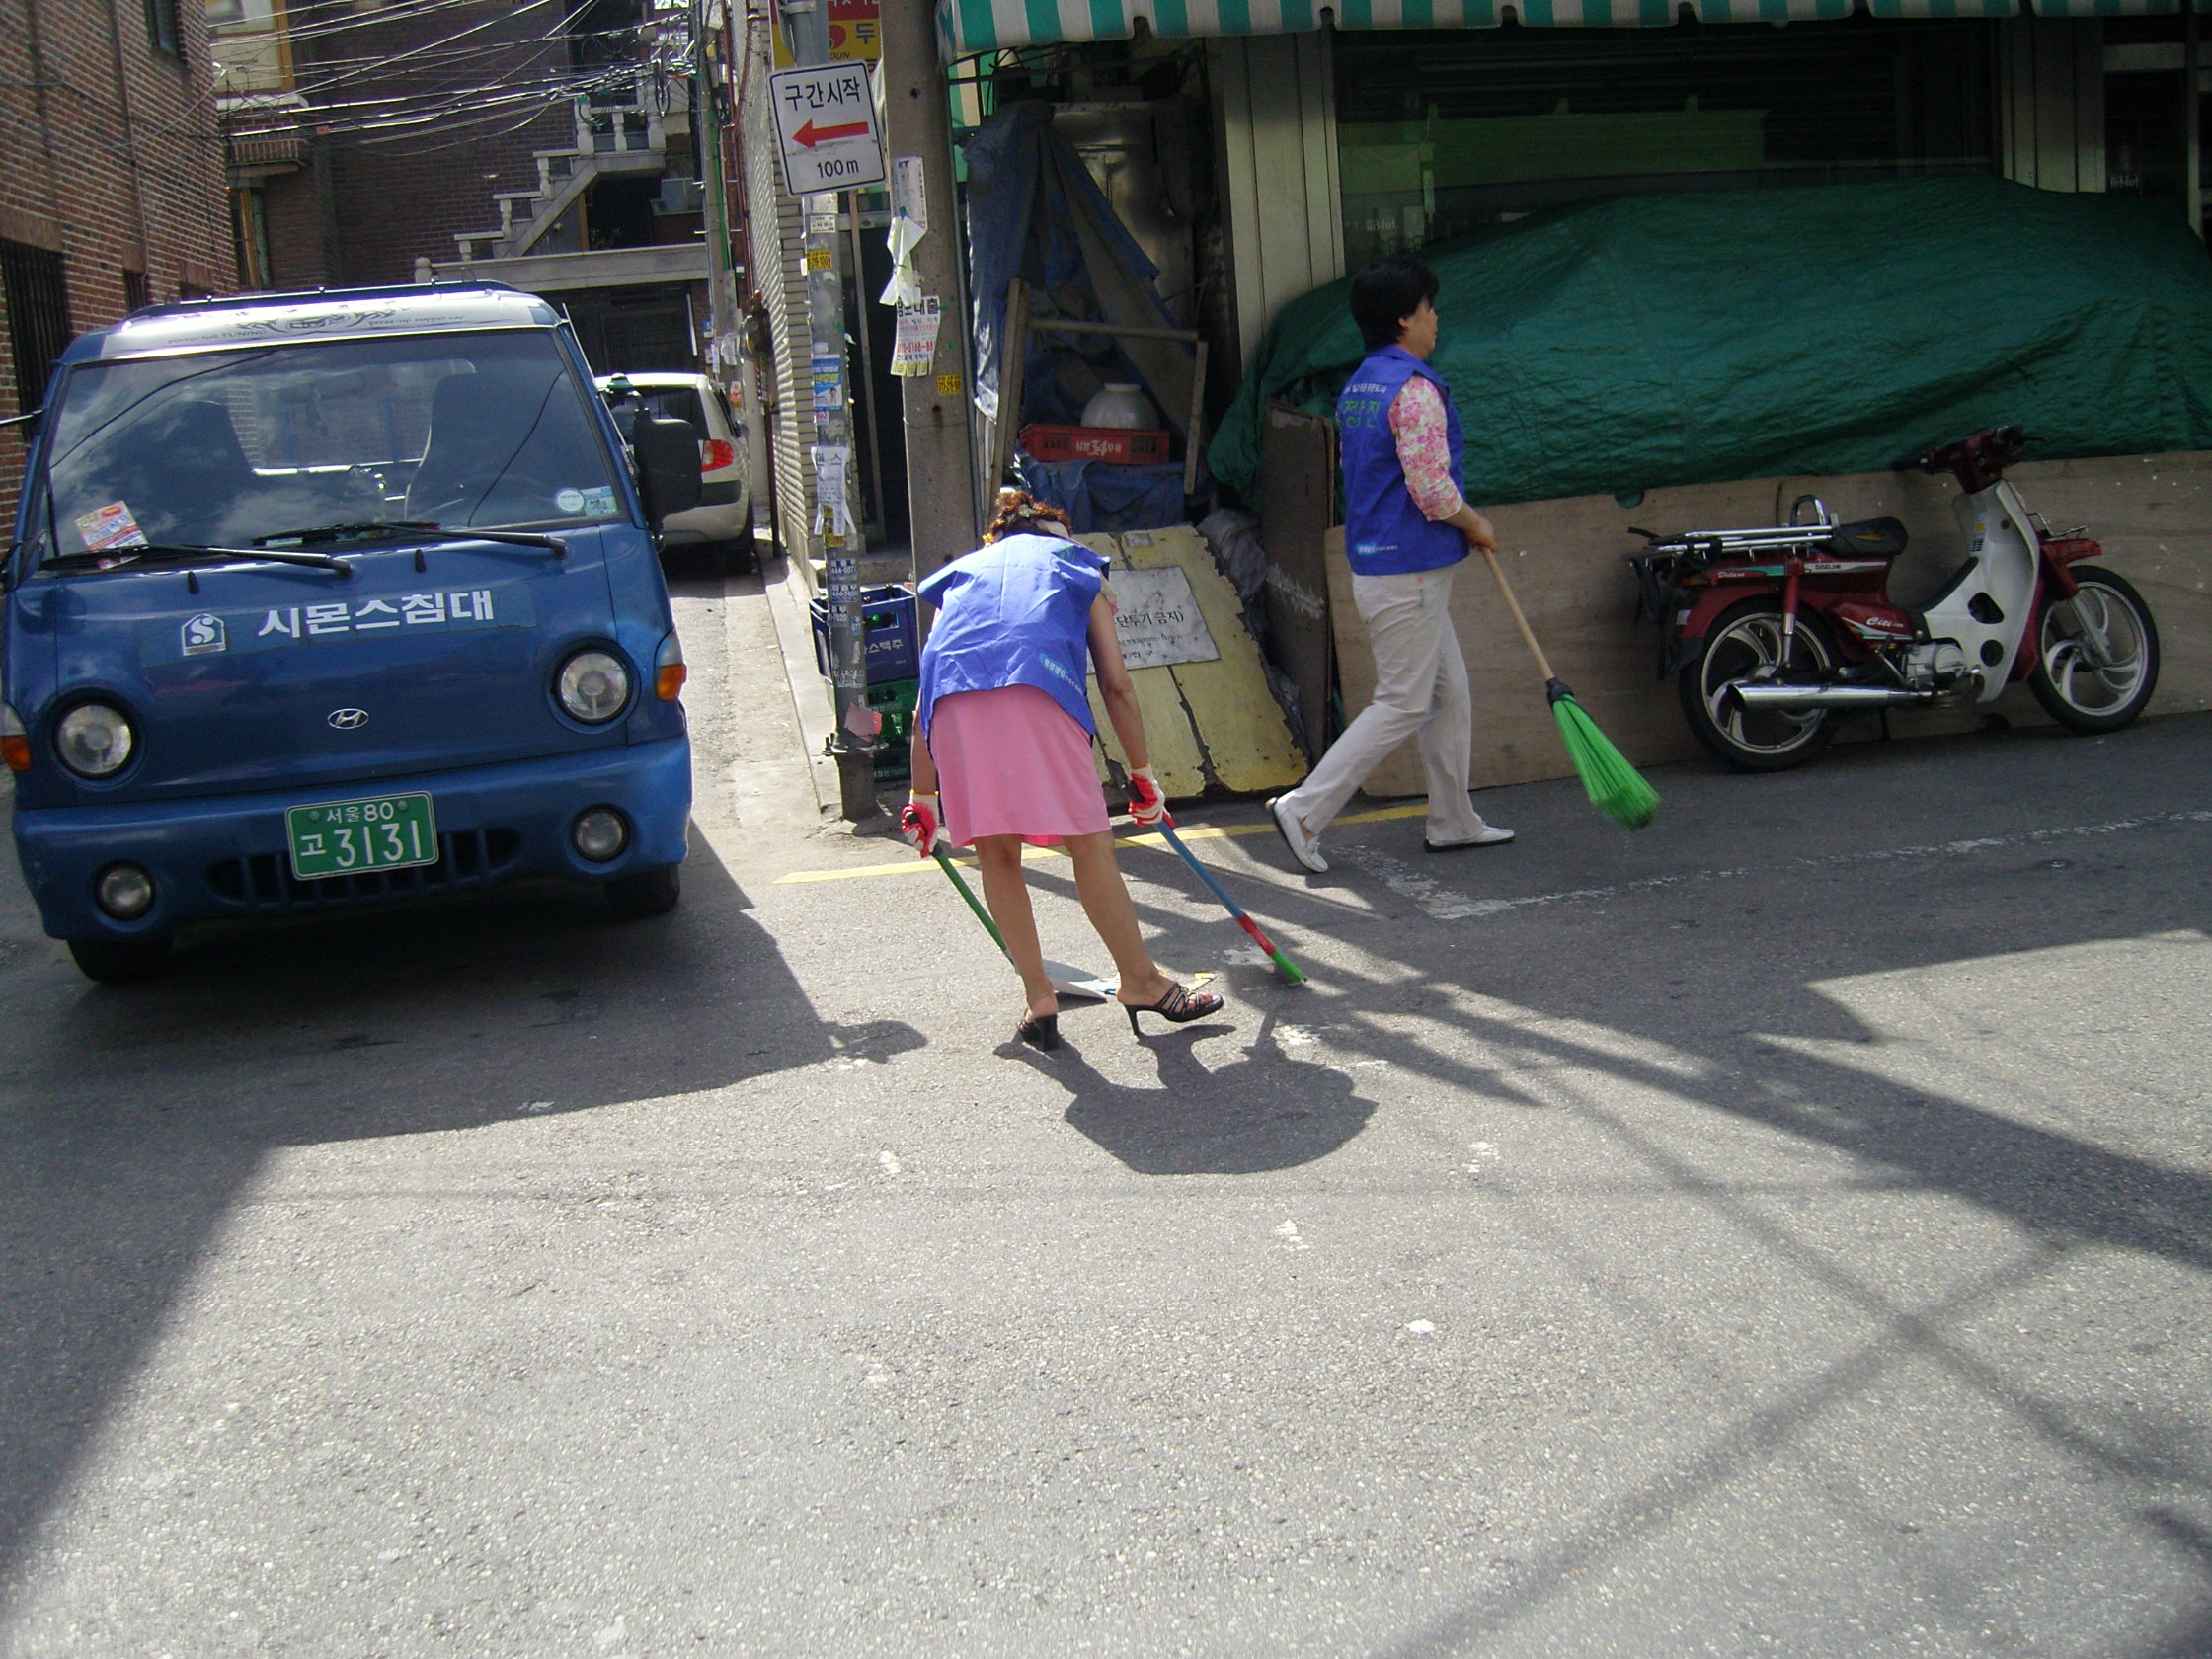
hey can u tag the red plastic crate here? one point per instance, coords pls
(1122, 446)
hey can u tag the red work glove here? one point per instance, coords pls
(917, 823)
(1147, 807)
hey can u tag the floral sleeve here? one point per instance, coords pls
(1424, 448)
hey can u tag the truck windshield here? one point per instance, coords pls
(216, 449)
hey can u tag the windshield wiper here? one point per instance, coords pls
(177, 553)
(414, 529)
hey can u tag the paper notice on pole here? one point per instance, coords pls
(905, 286)
(914, 349)
(831, 461)
(909, 200)
(829, 382)
(1158, 619)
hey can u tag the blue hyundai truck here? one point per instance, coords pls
(322, 601)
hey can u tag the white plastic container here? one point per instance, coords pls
(1121, 403)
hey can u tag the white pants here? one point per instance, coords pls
(1420, 685)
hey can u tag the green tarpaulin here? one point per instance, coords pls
(1652, 340)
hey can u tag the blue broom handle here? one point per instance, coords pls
(1204, 874)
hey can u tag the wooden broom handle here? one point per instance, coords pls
(1519, 621)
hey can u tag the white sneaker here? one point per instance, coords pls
(1306, 849)
(1489, 836)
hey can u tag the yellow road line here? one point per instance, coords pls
(1195, 833)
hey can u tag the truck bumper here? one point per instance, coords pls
(227, 856)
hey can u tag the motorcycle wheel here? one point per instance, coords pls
(1745, 639)
(2071, 688)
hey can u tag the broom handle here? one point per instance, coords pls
(1520, 621)
(982, 916)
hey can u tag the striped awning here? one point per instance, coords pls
(967, 27)
(2113, 8)
(1944, 8)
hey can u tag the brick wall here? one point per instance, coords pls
(110, 156)
(403, 194)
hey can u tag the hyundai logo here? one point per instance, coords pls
(349, 719)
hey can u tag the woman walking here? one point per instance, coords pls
(1003, 733)
(1406, 525)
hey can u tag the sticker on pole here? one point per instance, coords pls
(826, 128)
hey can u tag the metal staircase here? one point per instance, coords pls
(622, 129)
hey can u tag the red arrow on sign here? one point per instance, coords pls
(809, 134)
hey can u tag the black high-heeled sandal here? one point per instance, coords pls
(1039, 1031)
(1179, 1006)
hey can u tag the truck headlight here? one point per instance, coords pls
(593, 686)
(93, 739)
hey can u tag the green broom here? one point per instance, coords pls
(1615, 788)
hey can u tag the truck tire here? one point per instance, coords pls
(650, 893)
(120, 961)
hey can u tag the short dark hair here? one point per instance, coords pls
(1386, 293)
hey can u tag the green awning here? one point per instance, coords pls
(2113, 8)
(979, 26)
(966, 26)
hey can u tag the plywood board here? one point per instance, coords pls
(1241, 727)
(1208, 724)
(1177, 760)
(1298, 475)
(1565, 559)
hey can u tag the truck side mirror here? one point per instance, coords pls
(667, 461)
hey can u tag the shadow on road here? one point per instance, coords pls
(1263, 1112)
(135, 1119)
(1712, 998)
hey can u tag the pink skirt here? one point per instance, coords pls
(1014, 763)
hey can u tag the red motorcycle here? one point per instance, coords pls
(1774, 633)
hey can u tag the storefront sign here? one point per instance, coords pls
(855, 34)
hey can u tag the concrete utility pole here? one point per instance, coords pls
(708, 94)
(854, 742)
(940, 451)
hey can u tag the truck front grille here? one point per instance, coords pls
(466, 859)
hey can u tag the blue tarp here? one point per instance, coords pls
(1035, 213)
(1106, 495)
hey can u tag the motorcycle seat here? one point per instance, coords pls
(1870, 538)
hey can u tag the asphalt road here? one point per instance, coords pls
(1786, 1231)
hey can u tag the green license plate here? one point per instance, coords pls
(345, 837)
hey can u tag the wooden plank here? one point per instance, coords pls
(1244, 742)
(1177, 760)
(1298, 482)
(2152, 513)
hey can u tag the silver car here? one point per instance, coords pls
(723, 519)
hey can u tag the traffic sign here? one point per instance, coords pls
(825, 129)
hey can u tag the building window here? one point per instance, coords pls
(163, 29)
(134, 293)
(37, 295)
(1443, 132)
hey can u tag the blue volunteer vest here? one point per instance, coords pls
(1015, 613)
(1384, 532)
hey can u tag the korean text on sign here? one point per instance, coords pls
(318, 621)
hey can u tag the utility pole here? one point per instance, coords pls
(918, 133)
(708, 87)
(853, 744)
